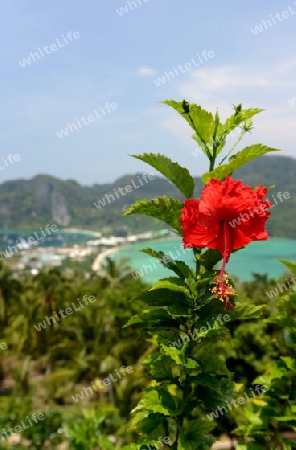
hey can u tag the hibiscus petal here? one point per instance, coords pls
(200, 236)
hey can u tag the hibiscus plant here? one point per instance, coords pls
(192, 307)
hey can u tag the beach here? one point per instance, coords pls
(101, 256)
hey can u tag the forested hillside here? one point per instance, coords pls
(27, 204)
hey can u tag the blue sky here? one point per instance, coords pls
(116, 59)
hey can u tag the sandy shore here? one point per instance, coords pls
(101, 256)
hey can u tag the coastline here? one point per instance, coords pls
(80, 231)
(101, 256)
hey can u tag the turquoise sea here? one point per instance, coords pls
(55, 239)
(258, 257)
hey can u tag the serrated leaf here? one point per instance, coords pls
(242, 116)
(151, 315)
(172, 283)
(200, 120)
(162, 208)
(150, 423)
(200, 426)
(163, 297)
(160, 401)
(290, 265)
(214, 365)
(290, 363)
(178, 175)
(191, 364)
(239, 118)
(243, 157)
(204, 379)
(179, 267)
(180, 310)
(161, 369)
(210, 258)
(176, 354)
(132, 321)
(245, 311)
(197, 439)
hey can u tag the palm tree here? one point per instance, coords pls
(115, 273)
(10, 289)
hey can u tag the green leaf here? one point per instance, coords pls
(159, 315)
(132, 321)
(191, 364)
(179, 267)
(290, 264)
(160, 401)
(180, 310)
(290, 363)
(162, 208)
(240, 117)
(178, 175)
(167, 338)
(204, 379)
(172, 283)
(214, 365)
(176, 354)
(163, 297)
(201, 121)
(243, 157)
(195, 438)
(200, 427)
(150, 423)
(161, 369)
(246, 311)
(210, 258)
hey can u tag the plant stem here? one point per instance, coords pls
(233, 147)
(213, 158)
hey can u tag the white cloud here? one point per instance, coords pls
(258, 85)
(147, 71)
(258, 82)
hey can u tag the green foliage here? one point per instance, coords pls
(162, 208)
(189, 374)
(200, 120)
(238, 160)
(94, 429)
(290, 265)
(179, 267)
(197, 356)
(266, 418)
(211, 134)
(255, 345)
(189, 378)
(44, 430)
(13, 412)
(178, 175)
(42, 370)
(210, 258)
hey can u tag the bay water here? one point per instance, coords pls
(258, 257)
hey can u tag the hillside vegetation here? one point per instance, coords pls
(30, 204)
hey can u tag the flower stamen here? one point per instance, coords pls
(223, 288)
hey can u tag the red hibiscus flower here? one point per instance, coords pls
(228, 216)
